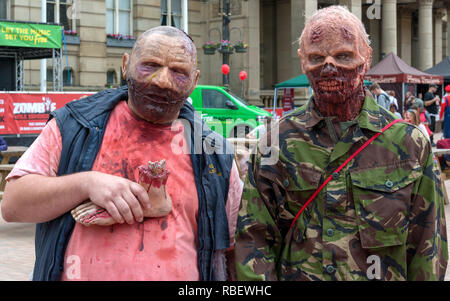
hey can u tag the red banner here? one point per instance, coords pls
(27, 113)
(406, 78)
(288, 99)
(278, 111)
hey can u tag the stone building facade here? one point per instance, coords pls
(416, 30)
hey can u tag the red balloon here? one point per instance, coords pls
(225, 69)
(242, 75)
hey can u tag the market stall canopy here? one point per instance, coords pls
(442, 68)
(393, 69)
(299, 81)
(29, 40)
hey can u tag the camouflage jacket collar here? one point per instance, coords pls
(368, 118)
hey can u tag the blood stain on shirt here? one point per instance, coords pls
(141, 225)
(164, 224)
(125, 169)
(166, 254)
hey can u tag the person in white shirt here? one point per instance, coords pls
(392, 98)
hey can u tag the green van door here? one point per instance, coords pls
(225, 112)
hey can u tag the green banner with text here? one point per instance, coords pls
(30, 35)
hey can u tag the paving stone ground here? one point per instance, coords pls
(16, 250)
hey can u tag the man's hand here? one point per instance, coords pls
(430, 102)
(36, 199)
(123, 199)
(437, 99)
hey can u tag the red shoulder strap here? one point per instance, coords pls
(340, 168)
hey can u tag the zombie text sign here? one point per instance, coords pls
(27, 113)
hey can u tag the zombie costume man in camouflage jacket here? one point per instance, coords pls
(380, 217)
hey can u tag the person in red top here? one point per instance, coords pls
(445, 111)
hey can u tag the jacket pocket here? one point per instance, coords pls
(382, 198)
(299, 187)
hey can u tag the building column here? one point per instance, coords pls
(444, 40)
(92, 43)
(253, 67)
(438, 36)
(146, 14)
(269, 42)
(301, 11)
(405, 34)
(448, 31)
(425, 34)
(374, 30)
(354, 6)
(389, 27)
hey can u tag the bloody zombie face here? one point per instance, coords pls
(161, 74)
(335, 56)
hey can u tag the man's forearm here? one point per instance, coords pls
(35, 198)
(428, 102)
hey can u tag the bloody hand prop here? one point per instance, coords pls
(153, 177)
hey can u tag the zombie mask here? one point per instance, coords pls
(335, 57)
(160, 75)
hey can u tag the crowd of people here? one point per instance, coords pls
(422, 110)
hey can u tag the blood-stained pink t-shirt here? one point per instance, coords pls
(156, 249)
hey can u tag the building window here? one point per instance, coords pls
(173, 10)
(119, 17)
(59, 9)
(49, 74)
(4, 9)
(68, 77)
(111, 78)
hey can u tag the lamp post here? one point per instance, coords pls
(225, 36)
(225, 47)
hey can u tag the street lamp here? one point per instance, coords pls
(225, 36)
(224, 47)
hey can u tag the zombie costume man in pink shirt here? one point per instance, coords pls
(138, 209)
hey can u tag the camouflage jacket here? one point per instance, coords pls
(381, 217)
